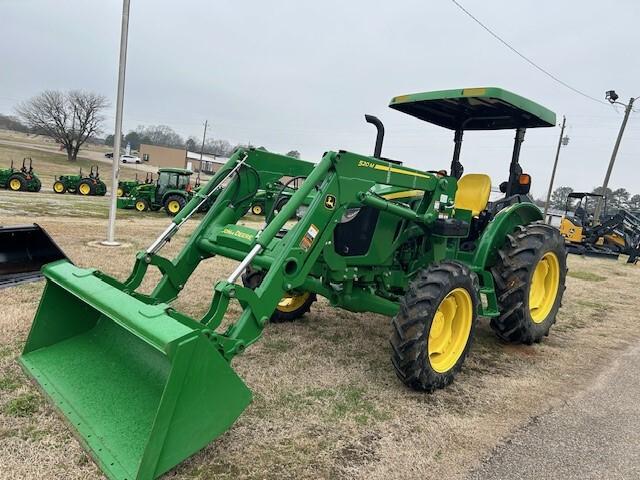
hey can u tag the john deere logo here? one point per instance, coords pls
(330, 202)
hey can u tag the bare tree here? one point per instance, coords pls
(69, 118)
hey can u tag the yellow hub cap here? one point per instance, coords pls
(84, 189)
(291, 302)
(58, 187)
(256, 209)
(14, 184)
(173, 206)
(544, 287)
(140, 206)
(120, 192)
(450, 328)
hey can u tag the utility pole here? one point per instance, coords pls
(612, 97)
(124, 34)
(204, 135)
(553, 172)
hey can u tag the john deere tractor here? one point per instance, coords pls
(274, 197)
(81, 184)
(125, 187)
(146, 386)
(22, 180)
(171, 191)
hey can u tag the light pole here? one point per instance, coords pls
(612, 96)
(561, 141)
(124, 33)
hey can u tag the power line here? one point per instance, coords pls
(526, 59)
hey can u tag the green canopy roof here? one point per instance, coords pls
(487, 108)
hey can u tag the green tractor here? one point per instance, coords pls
(81, 184)
(125, 187)
(171, 191)
(145, 386)
(275, 196)
(23, 180)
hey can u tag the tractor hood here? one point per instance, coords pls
(486, 108)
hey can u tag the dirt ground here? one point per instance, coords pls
(327, 403)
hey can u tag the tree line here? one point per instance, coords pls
(75, 117)
(619, 198)
(165, 136)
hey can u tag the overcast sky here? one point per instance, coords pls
(301, 75)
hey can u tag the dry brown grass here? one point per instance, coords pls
(327, 403)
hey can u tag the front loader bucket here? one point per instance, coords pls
(142, 390)
(24, 249)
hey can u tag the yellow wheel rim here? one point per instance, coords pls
(120, 192)
(84, 189)
(544, 287)
(290, 302)
(173, 206)
(450, 328)
(256, 209)
(140, 206)
(58, 187)
(15, 184)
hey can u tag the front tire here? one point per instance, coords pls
(257, 209)
(291, 307)
(141, 205)
(530, 280)
(59, 187)
(433, 331)
(17, 183)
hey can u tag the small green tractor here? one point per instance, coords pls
(274, 196)
(125, 187)
(81, 184)
(171, 191)
(145, 386)
(22, 180)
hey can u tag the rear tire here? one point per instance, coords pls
(530, 280)
(86, 188)
(291, 306)
(433, 331)
(59, 187)
(173, 204)
(17, 183)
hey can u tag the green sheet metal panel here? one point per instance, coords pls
(485, 108)
(142, 390)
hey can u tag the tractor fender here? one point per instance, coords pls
(182, 193)
(504, 223)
